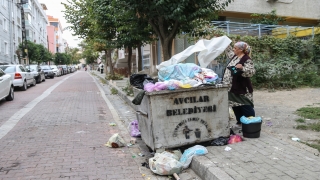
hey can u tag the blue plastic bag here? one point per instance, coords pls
(196, 150)
(251, 119)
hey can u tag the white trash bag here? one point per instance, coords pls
(165, 163)
(115, 141)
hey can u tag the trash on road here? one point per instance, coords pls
(115, 141)
(165, 163)
(134, 129)
(296, 139)
(112, 124)
(227, 148)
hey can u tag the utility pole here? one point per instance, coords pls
(23, 27)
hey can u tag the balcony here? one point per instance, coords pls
(27, 7)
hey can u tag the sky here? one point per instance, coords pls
(55, 9)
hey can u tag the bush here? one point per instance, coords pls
(114, 77)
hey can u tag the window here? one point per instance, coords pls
(22, 69)
(5, 24)
(6, 48)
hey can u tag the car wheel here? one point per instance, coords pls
(39, 79)
(34, 82)
(52, 77)
(25, 86)
(10, 96)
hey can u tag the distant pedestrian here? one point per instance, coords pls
(101, 68)
(238, 73)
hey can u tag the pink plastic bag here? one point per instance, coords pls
(234, 139)
(134, 129)
(149, 87)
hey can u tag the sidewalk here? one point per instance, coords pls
(263, 158)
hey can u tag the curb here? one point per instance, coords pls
(207, 170)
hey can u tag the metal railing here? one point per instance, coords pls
(263, 29)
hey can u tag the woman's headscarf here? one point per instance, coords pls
(244, 47)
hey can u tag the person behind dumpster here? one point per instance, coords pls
(238, 73)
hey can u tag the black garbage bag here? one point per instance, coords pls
(137, 80)
(221, 141)
(137, 100)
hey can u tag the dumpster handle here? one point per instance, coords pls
(142, 113)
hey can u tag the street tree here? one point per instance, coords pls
(171, 17)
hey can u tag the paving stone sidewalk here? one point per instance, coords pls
(263, 158)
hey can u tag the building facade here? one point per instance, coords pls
(11, 27)
(10, 31)
(57, 42)
(36, 22)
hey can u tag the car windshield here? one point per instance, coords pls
(8, 69)
(45, 67)
(32, 67)
(54, 66)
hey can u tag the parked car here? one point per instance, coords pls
(6, 86)
(64, 69)
(20, 75)
(48, 72)
(56, 70)
(37, 72)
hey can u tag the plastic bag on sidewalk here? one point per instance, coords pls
(234, 139)
(165, 163)
(115, 141)
(134, 129)
(221, 141)
(188, 154)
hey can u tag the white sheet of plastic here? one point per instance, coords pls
(209, 50)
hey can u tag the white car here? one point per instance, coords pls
(21, 77)
(56, 70)
(6, 86)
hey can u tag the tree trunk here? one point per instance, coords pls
(129, 59)
(166, 44)
(108, 59)
(139, 58)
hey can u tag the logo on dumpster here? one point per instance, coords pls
(187, 131)
(192, 110)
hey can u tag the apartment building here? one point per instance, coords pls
(36, 22)
(10, 31)
(11, 27)
(56, 42)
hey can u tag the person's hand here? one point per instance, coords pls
(239, 66)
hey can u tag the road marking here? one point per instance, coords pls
(14, 119)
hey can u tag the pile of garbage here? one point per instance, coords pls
(177, 76)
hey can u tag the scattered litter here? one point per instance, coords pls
(129, 145)
(175, 175)
(227, 148)
(80, 132)
(133, 155)
(140, 154)
(112, 124)
(221, 141)
(165, 163)
(269, 123)
(134, 129)
(145, 164)
(188, 154)
(115, 141)
(234, 139)
(296, 139)
(308, 119)
(133, 140)
(143, 175)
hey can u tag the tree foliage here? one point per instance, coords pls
(171, 17)
(37, 53)
(269, 18)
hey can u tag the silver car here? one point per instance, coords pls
(6, 86)
(21, 77)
